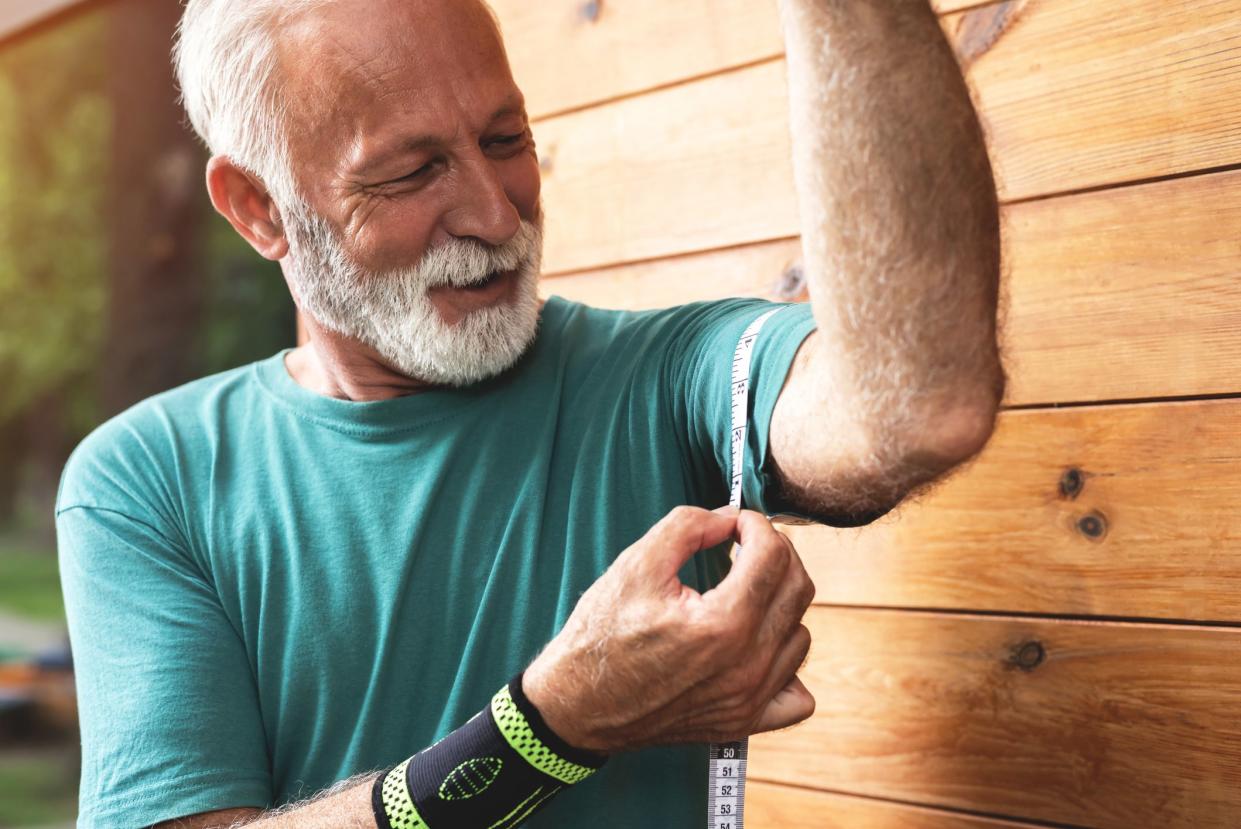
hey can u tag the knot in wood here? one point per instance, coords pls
(792, 283)
(1093, 525)
(591, 10)
(1072, 483)
(1029, 655)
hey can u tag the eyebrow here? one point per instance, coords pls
(513, 106)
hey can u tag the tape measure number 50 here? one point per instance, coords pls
(726, 762)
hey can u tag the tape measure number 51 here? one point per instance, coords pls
(726, 762)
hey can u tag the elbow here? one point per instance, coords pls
(953, 430)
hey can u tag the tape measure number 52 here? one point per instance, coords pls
(726, 762)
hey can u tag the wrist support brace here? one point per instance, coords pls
(491, 773)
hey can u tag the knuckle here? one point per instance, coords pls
(682, 515)
(807, 592)
(680, 523)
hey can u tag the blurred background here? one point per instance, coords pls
(117, 281)
(1051, 639)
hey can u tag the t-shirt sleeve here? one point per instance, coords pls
(699, 361)
(168, 708)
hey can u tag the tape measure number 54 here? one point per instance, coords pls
(726, 762)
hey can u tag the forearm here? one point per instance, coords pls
(491, 773)
(900, 223)
(346, 805)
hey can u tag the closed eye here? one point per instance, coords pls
(507, 139)
(421, 172)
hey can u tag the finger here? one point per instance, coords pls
(791, 705)
(760, 566)
(680, 535)
(792, 599)
(787, 662)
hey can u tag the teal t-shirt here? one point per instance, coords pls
(269, 590)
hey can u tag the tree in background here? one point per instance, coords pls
(55, 121)
(117, 281)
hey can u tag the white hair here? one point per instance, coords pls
(225, 58)
(392, 312)
(226, 62)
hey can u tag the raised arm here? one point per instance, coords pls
(900, 223)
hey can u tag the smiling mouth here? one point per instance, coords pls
(486, 282)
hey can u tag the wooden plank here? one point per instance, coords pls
(773, 806)
(570, 53)
(1111, 511)
(763, 270)
(17, 16)
(1109, 726)
(1079, 93)
(1124, 294)
(636, 180)
(675, 171)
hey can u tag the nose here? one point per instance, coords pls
(483, 209)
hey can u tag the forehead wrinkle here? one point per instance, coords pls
(350, 92)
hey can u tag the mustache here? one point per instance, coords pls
(463, 262)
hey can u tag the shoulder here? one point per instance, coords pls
(130, 455)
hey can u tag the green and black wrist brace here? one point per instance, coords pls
(491, 773)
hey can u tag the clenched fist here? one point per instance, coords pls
(645, 660)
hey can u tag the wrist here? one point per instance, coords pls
(556, 710)
(502, 762)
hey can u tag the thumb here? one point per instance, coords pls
(680, 535)
(791, 705)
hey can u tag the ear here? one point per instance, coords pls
(244, 201)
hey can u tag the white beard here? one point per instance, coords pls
(392, 313)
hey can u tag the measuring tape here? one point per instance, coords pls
(726, 761)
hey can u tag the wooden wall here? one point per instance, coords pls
(1054, 637)
(16, 15)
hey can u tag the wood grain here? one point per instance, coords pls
(691, 168)
(762, 270)
(1079, 93)
(1119, 92)
(1150, 529)
(571, 53)
(1118, 726)
(1124, 294)
(774, 806)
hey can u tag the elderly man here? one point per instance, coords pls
(303, 585)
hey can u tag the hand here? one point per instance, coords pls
(645, 660)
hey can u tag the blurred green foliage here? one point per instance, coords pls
(53, 238)
(29, 583)
(36, 789)
(60, 121)
(65, 103)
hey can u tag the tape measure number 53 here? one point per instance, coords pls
(726, 762)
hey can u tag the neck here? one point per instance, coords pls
(336, 366)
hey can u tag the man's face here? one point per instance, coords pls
(409, 137)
